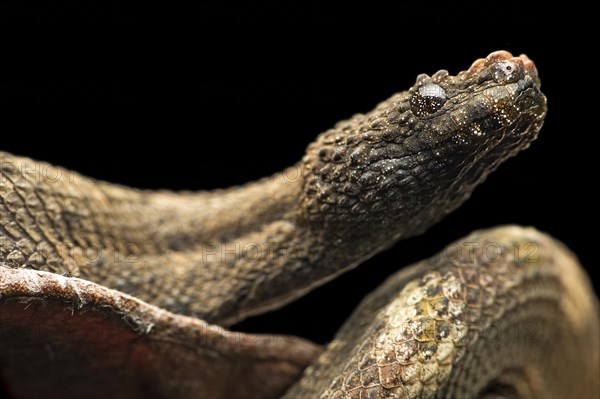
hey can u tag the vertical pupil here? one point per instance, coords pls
(428, 99)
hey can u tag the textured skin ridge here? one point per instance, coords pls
(449, 327)
(79, 339)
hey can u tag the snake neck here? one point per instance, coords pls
(245, 245)
(47, 210)
(187, 221)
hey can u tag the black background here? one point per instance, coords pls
(123, 92)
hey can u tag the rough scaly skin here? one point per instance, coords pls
(506, 311)
(364, 184)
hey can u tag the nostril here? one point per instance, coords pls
(507, 71)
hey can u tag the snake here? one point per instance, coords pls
(153, 279)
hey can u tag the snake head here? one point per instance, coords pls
(417, 156)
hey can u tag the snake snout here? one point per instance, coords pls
(505, 67)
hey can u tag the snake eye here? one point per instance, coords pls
(428, 99)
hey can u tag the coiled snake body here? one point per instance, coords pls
(141, 274)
